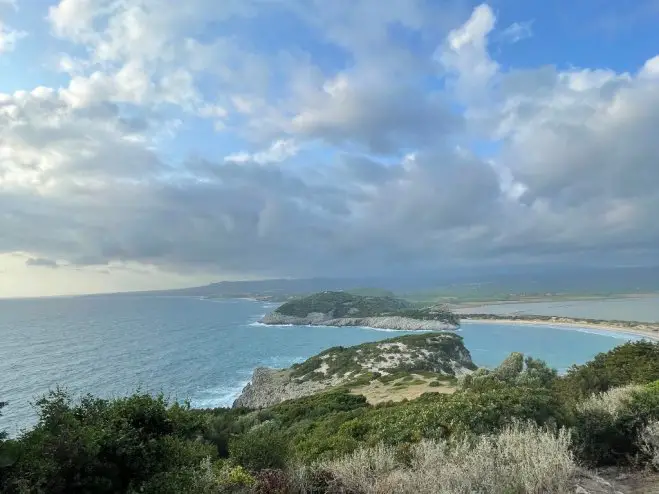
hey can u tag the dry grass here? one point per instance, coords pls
(378, 392)
(521, 459)
(610, 402)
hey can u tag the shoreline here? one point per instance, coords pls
(604, 328)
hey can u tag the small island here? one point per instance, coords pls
(346, 309)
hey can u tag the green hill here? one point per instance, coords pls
(343, 304)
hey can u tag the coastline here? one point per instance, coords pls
(604, 328)
(394, 323)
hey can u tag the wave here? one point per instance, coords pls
(619, 335)
(257, 323)
(221, 396)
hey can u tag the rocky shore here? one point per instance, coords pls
(271, 386)
(378, 322)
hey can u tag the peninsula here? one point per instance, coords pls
(345, 309)
(397, 368)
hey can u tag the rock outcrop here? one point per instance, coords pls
(271, 386)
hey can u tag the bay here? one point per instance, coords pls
(201, 350)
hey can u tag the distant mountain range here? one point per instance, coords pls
(508, 282)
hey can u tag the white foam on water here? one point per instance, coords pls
(221, 396)
(257, 323)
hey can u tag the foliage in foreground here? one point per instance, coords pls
(146, 444)
(522, 458)
(631, 363)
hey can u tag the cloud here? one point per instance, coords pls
(517, 31)
(40, 262)
(280, 150)
(464, 54)
(9, 38)
(368, 164)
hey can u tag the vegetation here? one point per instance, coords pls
(433, 353)
(342, 304)
(514, 429)
(632, 363)
(346, 304)
(522, 458)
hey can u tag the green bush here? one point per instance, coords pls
(604, 437)
(316, 406)
(101, 446)
(263, 447)
(515, 370)
(632, 363)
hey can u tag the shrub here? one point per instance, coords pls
(436, 416)
(649, 443)
(607, 426)
(272, 482)
(632, 363)
(316, 406)
(263, 447)
(520, 459)
(515, 370)
(611, 402)
(136, 443)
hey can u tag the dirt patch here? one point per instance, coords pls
(378, 392)
(616, 481)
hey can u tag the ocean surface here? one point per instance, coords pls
(201, 350)
(641, 308)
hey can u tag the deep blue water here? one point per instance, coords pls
(200, 350)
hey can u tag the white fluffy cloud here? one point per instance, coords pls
(359, 166)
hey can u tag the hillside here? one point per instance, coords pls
(347, 309)
(427, 357)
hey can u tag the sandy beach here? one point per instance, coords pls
(649, 331)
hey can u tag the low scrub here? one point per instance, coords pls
(522, 458)
(649, 442)
(611, 402)
(607, 426)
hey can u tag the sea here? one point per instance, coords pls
(203, 351)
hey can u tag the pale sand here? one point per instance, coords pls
(652, 334)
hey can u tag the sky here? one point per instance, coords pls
(153, 144)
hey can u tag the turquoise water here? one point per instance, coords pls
(644, 309)
(200, 350)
